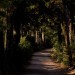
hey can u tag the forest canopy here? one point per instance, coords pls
(27, 26)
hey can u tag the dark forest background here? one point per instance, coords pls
(27, 26)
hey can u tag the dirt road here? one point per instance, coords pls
(42, 64)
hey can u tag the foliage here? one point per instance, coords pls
(26, 47)
(21, 56)
(45, 15)
(24, 43)
(58, 51)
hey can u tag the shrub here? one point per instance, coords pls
(22, 55)
(26, 48)
(58, 51)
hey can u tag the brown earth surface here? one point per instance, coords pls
(43, 64)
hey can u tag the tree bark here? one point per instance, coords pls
(59, 33)
(1, 52)
(67, 31)
(36, 37)
(17, 35)
(42, 37)
(9, 36)
(68, 34)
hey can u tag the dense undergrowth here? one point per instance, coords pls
(22, 55)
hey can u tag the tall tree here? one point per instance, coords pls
(67, 31)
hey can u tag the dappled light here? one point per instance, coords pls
(71, 72)
(37, 37)
(43, 64)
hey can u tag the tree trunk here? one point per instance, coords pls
(9, 36)
(68, 35)
(68, 32)
(1, 42)
(59, 33)
(72, 14)
(1, 51)
(17, 36)
(36, 37)
(5, 32)
(9, 39)
(63, 31)
(42, 37)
